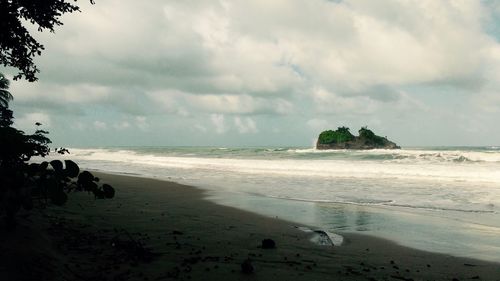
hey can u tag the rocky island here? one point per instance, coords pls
(343, 139)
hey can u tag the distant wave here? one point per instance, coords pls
(405, 155)
(402, 164)
(445, 155)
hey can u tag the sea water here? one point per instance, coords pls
(441, 199)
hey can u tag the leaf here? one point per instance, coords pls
(109, 191)
(85, 177)
(99, 194)
(57, 165)
(90, 186)
(43, 166)
(72, 170)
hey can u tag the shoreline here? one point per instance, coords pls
(190, 237)
(419, 229)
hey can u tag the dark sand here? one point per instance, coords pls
(157, 230)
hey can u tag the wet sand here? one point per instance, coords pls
(158, 230)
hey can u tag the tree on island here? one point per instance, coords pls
(370, 136)
(23, 184)
(342, 134)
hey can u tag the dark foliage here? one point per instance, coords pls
(5, 95)
(342, 134)
(27, 185)
(343, 139)
(369, 137)
(17, 46)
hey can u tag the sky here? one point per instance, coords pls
(267, 73)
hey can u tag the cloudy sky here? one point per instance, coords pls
(240, 73)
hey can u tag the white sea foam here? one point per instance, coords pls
(424, 179)
(323, 238)
(411, 165)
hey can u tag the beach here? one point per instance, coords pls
(160, 230)
(443, 199)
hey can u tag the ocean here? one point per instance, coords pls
(440, 199)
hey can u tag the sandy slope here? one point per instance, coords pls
(156, 230)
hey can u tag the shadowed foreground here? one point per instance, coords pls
(156, 230)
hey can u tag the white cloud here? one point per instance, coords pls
(330, 103)
(60, 94)
(79, 126)
(100, 125)
(317, 124)
(27, 122)
(142, 122)
(239, 104)
(169, 101)
(221, 47)
(122, 125)
(218, 123)
(245, 125)
(200, 128)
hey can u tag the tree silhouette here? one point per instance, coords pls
(17, 46)
(24, 184)
(27, 185)
(5, 95)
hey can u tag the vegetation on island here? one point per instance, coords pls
(369, 136)
(24, 184)
(342, 138)
(342, 134)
